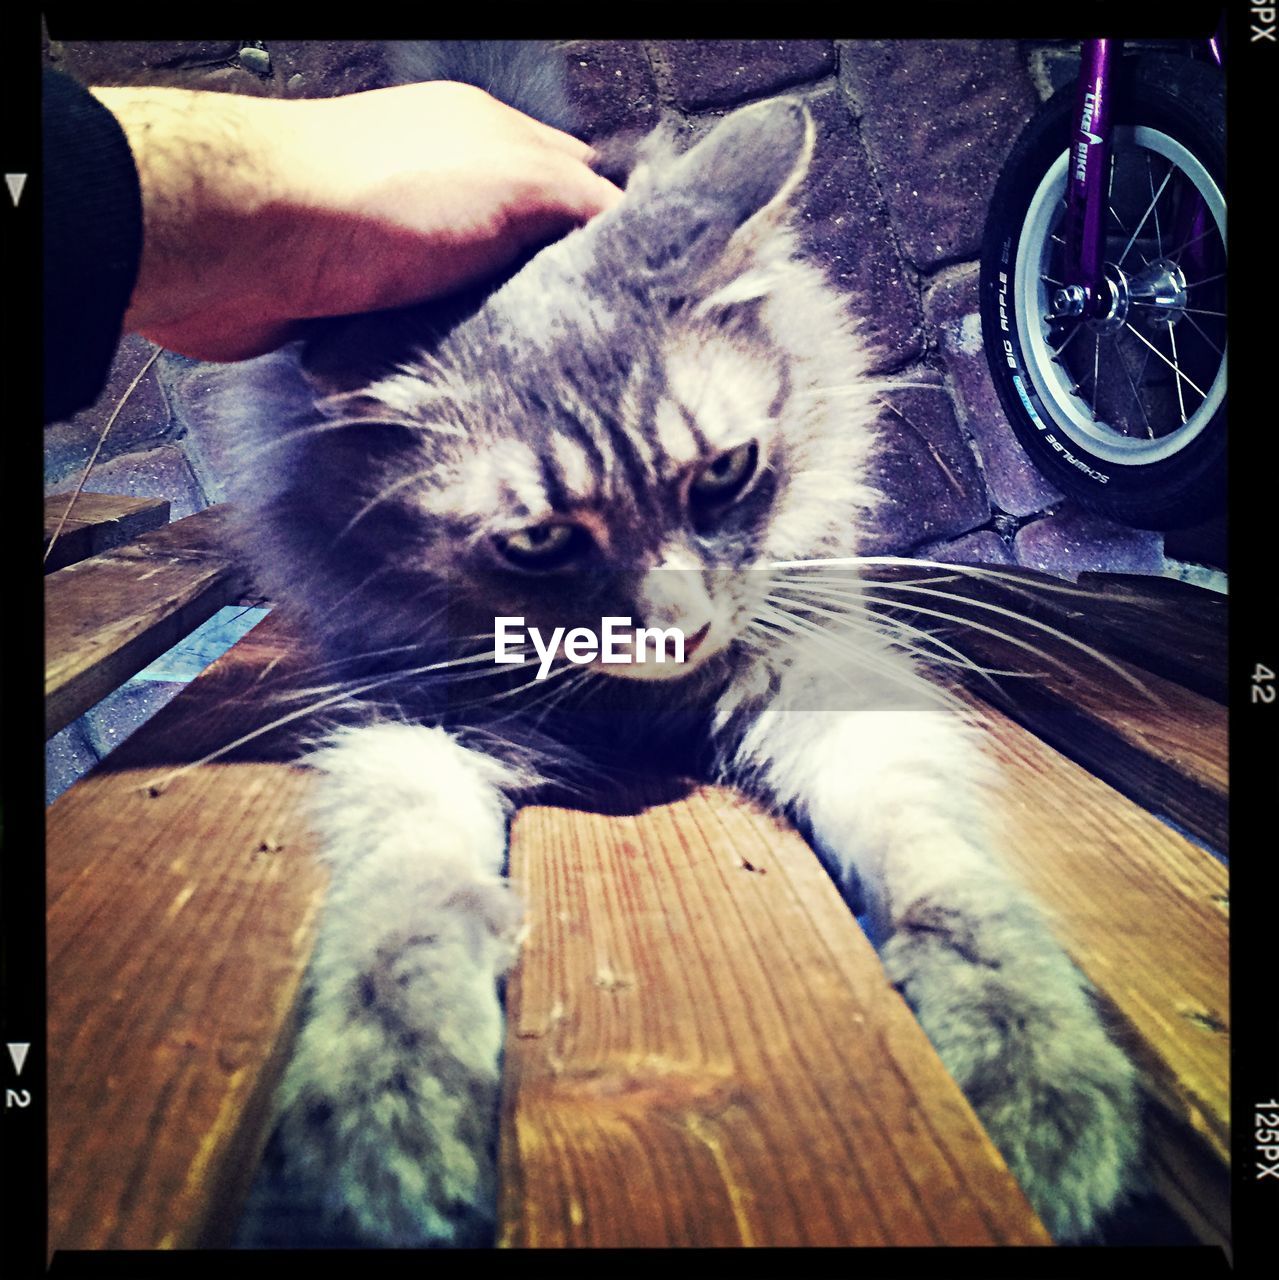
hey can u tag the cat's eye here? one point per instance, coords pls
(543, 546)
(725, 477)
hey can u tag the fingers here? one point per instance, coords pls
(562, 141)
(579, 191)
(583, 193)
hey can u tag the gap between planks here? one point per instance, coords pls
(109, 616)
(97, 522)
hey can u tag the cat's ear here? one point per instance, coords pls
(751, 164)
(700, 222)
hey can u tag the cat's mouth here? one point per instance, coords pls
(618, 647)
(698, 648)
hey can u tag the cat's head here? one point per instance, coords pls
(651, 409)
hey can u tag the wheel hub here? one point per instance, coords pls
(1152, 298)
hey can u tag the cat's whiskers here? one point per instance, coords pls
(852, 656)
(356, 689)
(873, 604)
(837, 603)
(292, 695)
(857, 631)
(875, 593)
(541, 764)
(556, 673)
(566, 681)
(1012, 580)
(872, 629)
(893, 628)
(858, 656)
(347, 660)
(354, 423)
(376, 501)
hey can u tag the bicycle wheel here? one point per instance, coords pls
(1124, 411)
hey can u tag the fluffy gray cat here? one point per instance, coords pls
(645, 420)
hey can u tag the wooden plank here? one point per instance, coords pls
(1145, 914)
(1147, 587)
(98, 522)
(178, 929)
(1158, 743)
(181, 917)
(663, 901)
(1179, 640)
(1177, 631)
(703, 1049)
(108, 616)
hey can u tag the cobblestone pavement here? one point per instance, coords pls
(911, 137)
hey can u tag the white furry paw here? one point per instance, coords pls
(1017, 1029)
(386, 1120)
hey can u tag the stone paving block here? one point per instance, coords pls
(611, 85)
(1070, 541)
(205, 442)
(158, 473)
(719, 73)
(926, 471)
(983, 547)
(940, 116)
(328, 68)
(1052, 67)
(69, 444)
(127, 709)
(67, 757)
(209, 65)
(1012, 480)
(843, 226)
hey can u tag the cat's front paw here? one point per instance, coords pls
(1022, 1038)
(386, 1120)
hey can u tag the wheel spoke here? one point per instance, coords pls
(1181, 400)
(1058, 350)
(1181, 376)
(1136, 394)
(1194, 284)
(1150, 178)
(1196, 311)
(1096, 382)
(1204, 336)
(1177, 252)
(1132, 239)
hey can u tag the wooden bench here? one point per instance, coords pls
(702, 1048)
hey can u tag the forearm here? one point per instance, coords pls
(262, 212)
(218, 177)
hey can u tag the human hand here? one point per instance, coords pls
(260, 212)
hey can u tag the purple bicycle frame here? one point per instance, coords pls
(1088, 174)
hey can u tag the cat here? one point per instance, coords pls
(642, 420)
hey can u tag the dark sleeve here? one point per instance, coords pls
(92, 242)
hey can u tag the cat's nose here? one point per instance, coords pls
(691, 642)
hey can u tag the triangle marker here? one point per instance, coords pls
(18, 1052)
(15, 182)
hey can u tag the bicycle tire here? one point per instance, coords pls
(1171, 111)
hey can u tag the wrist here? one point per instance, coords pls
(210, 170)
